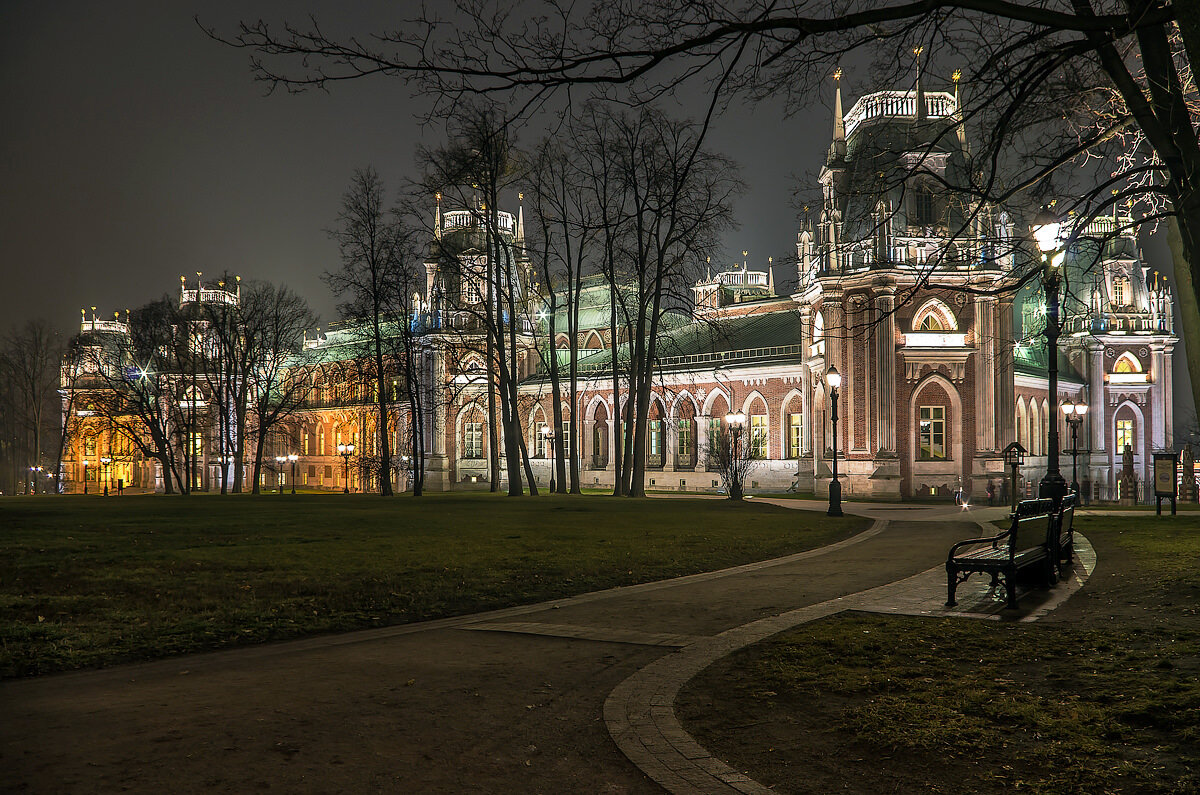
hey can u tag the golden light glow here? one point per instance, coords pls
(918, 50)
(838, 74)
(957, 75)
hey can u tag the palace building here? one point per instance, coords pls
(907, 292)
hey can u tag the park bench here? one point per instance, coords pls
(1030, 542)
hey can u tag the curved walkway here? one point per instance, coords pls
(508, 701)
(640, 712)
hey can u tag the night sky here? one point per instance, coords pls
(135, 149)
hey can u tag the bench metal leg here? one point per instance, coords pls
(951, 586)
(1010, 589)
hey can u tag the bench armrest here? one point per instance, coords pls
(993, 540)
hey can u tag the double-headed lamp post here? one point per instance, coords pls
(1074, 413)
(345, 451)
(279, 459)
(293, 458)
(1046, 229)
(33, 478)
(548, 434)
(834, 379)
(736, 422)
(106, 461)
(85, 466)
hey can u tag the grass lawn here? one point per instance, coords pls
(1101, 696)
(87, 581)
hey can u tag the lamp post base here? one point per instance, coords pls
(835, 498)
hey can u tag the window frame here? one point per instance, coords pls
(931, 443)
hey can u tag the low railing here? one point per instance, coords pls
(716, 357)
(897, 104)
(207, 297)
(113, 326)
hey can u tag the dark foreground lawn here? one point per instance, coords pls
(94, 581)
(1102, 696)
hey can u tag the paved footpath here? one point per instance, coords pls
(508, 701)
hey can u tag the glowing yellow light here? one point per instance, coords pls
(918, 50)
(838, 74)
(957, 75)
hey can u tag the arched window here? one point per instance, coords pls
(321, 439)
(685, 435)
(1022, 424)
(600, 437)
(923, 205)
(818, 335)
(1127, 363)
(934, 316)
(1035, 429)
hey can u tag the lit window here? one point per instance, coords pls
(655, 439)
(564, 436)
(540, 436)
(1127, 364)
(473, 440)
(685, 439)
(1124, 434)
(933, 432)
(795, 428)
(758, 436)
(932, 323)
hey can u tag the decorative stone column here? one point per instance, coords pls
(437, 465)
(885, 477)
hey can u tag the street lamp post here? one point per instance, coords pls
(293, 458)
(834, 379)
(1074, 414)
(1014, 456)
(548, 434)
(345, 451)
(85, 466)
(736, 423)
(105, 461)
(33, 479)
(1046, 228)
(279, 459)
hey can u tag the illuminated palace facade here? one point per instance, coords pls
(940, 370)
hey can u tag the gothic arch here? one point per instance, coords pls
(460, 418)
(954, 423)
(712, 398)
(934, 312)
(593, 341)
(1139, 429)
(1035, 428)
(684, 397)
(1127, 363)
(786, 409)
(1022, 421)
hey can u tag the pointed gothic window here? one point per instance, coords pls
(1127, 364)
(923, 206)
(932, 323)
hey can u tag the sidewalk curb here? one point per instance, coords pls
(640, 712)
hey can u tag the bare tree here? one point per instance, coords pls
(273, 319)
(371, 243)
(29, 365)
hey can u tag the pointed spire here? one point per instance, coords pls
(708, 260)
(771, 275)
(961, 128)
(920, 87)
(837, 150)
(437, 218)
(520, 217)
